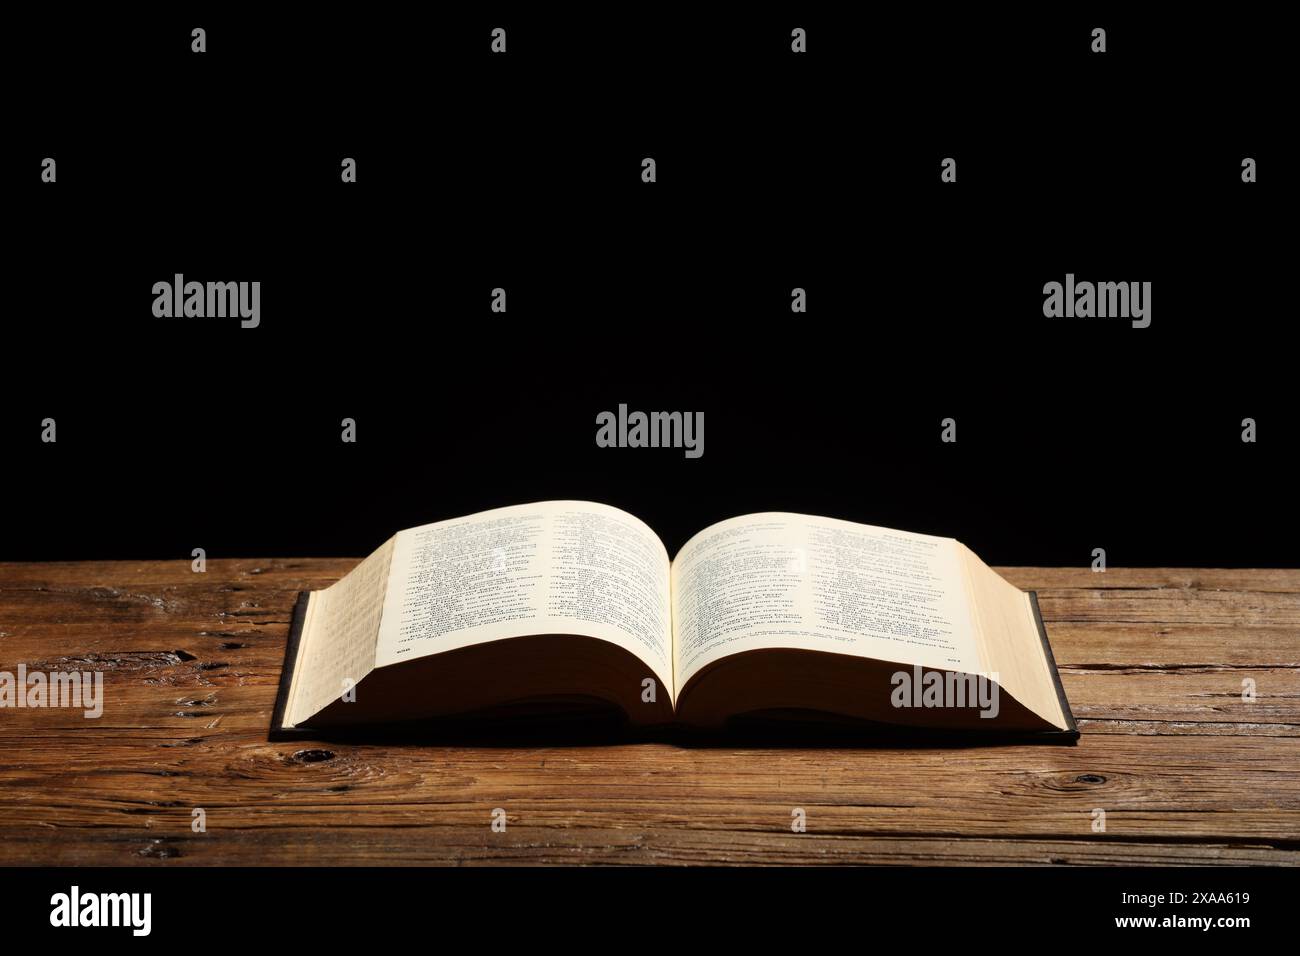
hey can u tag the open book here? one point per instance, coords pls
(542, 607)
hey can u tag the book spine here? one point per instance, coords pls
(290, 659)
(1073, 728)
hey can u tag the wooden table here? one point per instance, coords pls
(1153, 661)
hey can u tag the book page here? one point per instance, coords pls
(555, 567)
(789, 580)
(338, 642)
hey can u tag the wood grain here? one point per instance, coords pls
(1152, 659)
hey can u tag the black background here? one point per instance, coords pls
(523, 171)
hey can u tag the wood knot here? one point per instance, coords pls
(158, 850)
(1090, 778)
(313, 756)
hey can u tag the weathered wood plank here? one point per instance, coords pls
(625, 846)
(453, 843)
(1284, 580)
(1156, 606)
(1244, 788)
(1102, 646)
